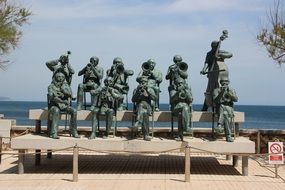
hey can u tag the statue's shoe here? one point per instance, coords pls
(147, 138)
(218, 129)
(75, 134)
(188, 130)
(105, 136)
(79, 107)
(229, 139)
(54, 136)
(179, 138)
(92, 136)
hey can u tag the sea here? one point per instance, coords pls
(256, 116)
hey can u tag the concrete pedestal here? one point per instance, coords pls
(117, 144)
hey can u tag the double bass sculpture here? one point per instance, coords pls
(218, 95)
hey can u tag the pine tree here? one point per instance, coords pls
(12, 17)
(272, 36)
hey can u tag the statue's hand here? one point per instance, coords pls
(202, 72)
(60, 94)
(180, 88)
(174, 69)
(66, 102)
(224, 88)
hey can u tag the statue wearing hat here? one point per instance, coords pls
(120, 76)
(181, 102)
(153, 77)
(224, 98)
(62, 65)
(143, 97)
(215, 69)
(104, 106)
(59, 97)
(92, 77)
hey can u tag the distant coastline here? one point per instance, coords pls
(4, 98)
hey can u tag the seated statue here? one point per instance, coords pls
(59, 97)
(143, 97)
(224, 98)
(153, 76)
(176, 71)
(104, 106)
(61, 65)
(120, 75)
(181, 100)
(92, 76)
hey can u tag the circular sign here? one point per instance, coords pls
(275, 148)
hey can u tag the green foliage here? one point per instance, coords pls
(12, 17)
(272, 37)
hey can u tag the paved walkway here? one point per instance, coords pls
(129, 171)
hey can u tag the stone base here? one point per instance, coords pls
(117, 144)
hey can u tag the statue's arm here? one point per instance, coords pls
(55, 96)
(82, 71)
(169, 73)
(157, 75)
(174, 97)
(129, 72)
(189, 95)
(66, 90)
(71, 70)
(205, 69)
(108, 72)
(183, 74)
(233, 95)
(115, 93)
(217, 95)
(151, 93)
(140, 76)
(136, 96)
(99, 72)
(51, 64)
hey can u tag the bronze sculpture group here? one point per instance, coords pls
(108, 99)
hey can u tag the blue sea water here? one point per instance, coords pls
(256, 117)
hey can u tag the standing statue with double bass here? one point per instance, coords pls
(215, 69)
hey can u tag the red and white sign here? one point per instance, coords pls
(275, 150)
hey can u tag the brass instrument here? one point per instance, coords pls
(89, 68)
(142, 89)
(182, 93)
(120, 69)
(105, 95)
(183, 66)
(227, 96)
(146, 67)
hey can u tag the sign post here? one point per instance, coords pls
(275, 150)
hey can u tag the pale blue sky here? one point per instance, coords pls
(137, 30)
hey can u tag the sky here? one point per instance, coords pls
(137, 30)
